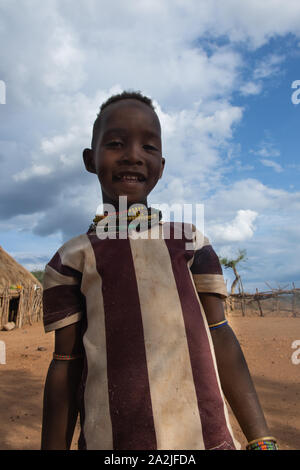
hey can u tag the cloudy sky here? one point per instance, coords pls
(223, 77)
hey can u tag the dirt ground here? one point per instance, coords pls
(266, 342)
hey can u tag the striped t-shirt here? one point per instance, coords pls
(150, 378)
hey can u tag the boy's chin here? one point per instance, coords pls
(135, 198)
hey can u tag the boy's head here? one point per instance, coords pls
(126, 152)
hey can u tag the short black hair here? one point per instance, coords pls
(127, 94)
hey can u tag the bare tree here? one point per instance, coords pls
(232, 263)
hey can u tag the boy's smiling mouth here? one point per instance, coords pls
(129, 177)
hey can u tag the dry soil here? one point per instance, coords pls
(266, 342)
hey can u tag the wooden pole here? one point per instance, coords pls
(20, 309)
(258, 303)
(226, 307)
(1, 308)
(6, 305)
(31, 305)
(243, 298)
(294, 301)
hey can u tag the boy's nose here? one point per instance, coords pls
(132, 154)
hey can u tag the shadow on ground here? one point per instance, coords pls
(281, 405)
(21, 410)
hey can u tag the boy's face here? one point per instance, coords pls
(128, 156)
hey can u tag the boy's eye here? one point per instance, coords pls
(118, 143)
(114, 143)
(149, 147)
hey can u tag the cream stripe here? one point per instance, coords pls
(210, 283)
(237, 444)
(72, 252)
(97, 426)
(174, 402)
(74, 318)
(200, 239)
(52, 279)
(190, 262)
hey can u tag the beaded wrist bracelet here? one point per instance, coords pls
(213, 326)
(66, 357)
(263, 443)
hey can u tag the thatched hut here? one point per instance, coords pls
(20, 293)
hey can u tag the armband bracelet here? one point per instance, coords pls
(263, 443)
(66, 357)
(213, 326)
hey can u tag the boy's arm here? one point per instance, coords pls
(60, 395)
(234, 375)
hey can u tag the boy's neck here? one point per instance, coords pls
(137, 209)
(117, 207)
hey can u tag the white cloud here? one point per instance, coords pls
(251, 88)
(239, 229)
(267, 151)
(255, 21)
(194, 137)
(31, 172)
(65, 55)
(251, 194)
(266, 148)
(78, 47)
(270, 65)
(276, 167)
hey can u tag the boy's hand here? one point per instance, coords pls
(233, 371)
(60, 396)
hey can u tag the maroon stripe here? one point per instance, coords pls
(60, 302)
(56, 263)
(210, 402)
(206, 261)
(128, 383)
(80, 396)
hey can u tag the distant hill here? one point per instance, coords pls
(39, 275)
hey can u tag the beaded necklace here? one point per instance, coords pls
(119, 221)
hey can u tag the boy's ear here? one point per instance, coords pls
(162, 167)
(89, 162)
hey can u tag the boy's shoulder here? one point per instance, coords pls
(76, 243)
(71, 252)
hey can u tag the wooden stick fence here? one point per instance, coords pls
(29, 309)
(245, 299)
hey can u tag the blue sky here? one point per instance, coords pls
(220, 75)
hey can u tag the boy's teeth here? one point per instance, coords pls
(130, 178)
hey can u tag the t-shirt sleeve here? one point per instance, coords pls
(63, 302)
(206, 268)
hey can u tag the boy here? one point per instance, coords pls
(142, 347)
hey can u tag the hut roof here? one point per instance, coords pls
(13, 273)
